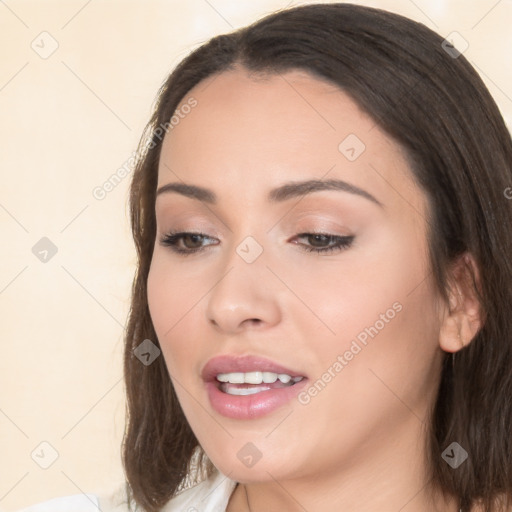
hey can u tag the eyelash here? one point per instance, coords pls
(171, 240)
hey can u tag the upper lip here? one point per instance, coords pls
(232, 364)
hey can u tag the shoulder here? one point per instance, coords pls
(211, 495)
(76, 503)
(112, 502)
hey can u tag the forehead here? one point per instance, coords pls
(260, 130)
(277, 113)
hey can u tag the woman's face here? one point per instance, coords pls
(358, 322)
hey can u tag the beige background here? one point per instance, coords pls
(69, 120)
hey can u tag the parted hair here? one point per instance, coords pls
(428, 98)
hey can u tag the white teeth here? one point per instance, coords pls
(256, 378)
(246, 391)
(253, 378)
(234, 378)
(269, 377)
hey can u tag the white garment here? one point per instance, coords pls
(211, 495)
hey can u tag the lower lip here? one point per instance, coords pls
(249, 407)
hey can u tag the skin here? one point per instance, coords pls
(358, 445)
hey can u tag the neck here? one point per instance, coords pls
(394, 478)
(254, 501)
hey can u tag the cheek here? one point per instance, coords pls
(174, 301)
(168, 302)
(364, 287)
(386, 326)
(378, 307)
(161, 303)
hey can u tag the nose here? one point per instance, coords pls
(245, 297)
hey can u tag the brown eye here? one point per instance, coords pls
(185, 243)
(319, 240)
(323, 242)
(192, 241)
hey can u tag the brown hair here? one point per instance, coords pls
(439, 110)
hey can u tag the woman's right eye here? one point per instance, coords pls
(184, 243)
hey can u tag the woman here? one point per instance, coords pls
(319, 317)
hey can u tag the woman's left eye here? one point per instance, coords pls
(322, 242)
(186, 243)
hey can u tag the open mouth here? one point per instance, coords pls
(250, 387)
(250, 383)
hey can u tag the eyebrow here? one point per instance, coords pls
(282, 193)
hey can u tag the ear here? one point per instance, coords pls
(463, 315)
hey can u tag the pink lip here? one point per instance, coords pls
(249, 406)
(229, 364)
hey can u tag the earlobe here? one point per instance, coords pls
(450, 334)
(462, 315)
